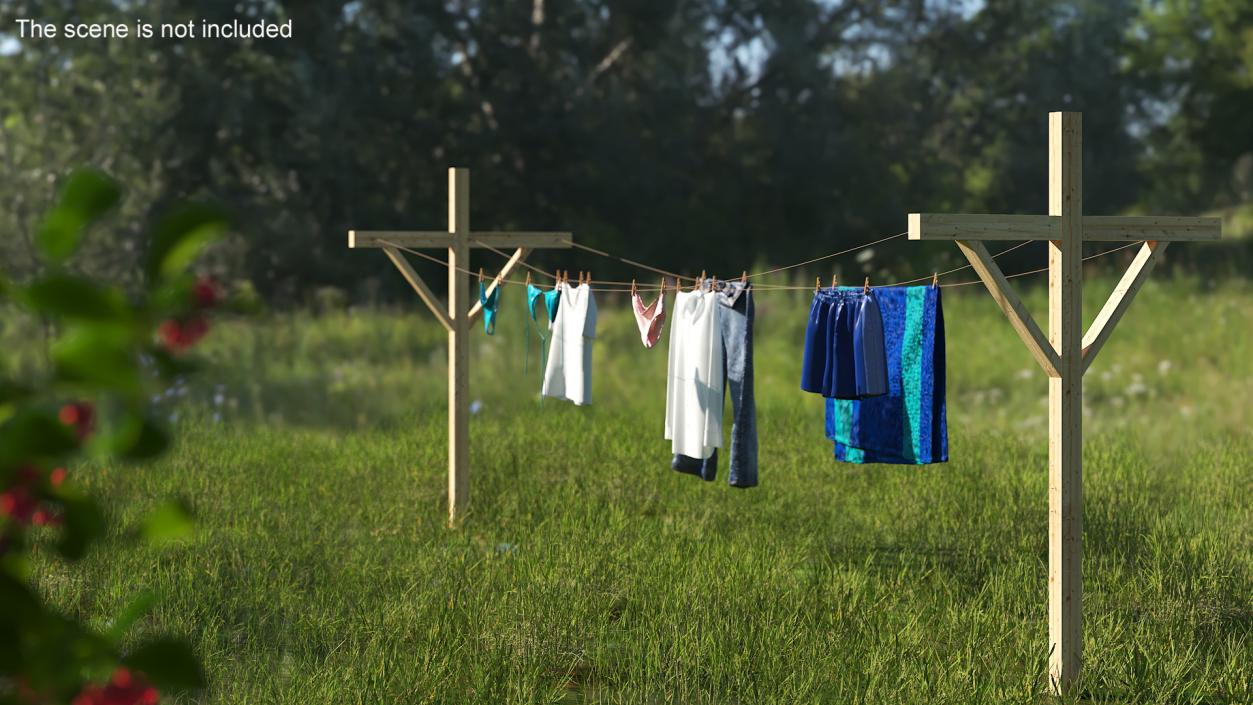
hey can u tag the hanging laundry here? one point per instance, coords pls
(844, 355)
(649, 319)
(735, 330)
(908, 425)
(533, 294)
(552, 299)
(568, 371)
(489, 304)
(694, 375)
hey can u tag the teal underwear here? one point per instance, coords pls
(533, 293)
(489, 304)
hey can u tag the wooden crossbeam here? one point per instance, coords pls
(424, 292)
(1019, 317)
(519, 255)
(1120, 299)
(360, 239)
(1096, 228)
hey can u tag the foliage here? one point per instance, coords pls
(748, 128)
(92, 405)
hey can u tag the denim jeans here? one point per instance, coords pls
(736, 323)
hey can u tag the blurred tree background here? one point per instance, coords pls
(744, 131)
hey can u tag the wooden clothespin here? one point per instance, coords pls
(817, 284)
(700, 283)
(663, 286)
(480, 275)
(528, 278)
(715, 283)
(866, 289)
(634, 289)
(589, 279)
(935, 280)
(833, 281)
(744, 277)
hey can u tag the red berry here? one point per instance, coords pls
(205, 293)
(17, 503)
(56, 477)
(181, 335)
(80, 415)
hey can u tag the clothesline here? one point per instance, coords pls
(624, 286)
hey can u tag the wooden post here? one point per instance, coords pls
(459, 240)
(1066, 355)
(458, 342)
(1065, 583)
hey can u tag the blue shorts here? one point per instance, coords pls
(844, 353)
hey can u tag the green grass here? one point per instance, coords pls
(587, 570)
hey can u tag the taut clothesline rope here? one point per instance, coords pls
(620, 286)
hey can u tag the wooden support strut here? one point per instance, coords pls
(1065, 354)
(459, 240)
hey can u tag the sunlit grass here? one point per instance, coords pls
(313, 449)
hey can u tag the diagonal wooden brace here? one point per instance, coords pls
(424, 292)
(1120, 299)
(1019, 317)
(518, 255)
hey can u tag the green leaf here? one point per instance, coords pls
(34, 433)
(171, 521)
(148, 442)
(169, 663)
(179, 236)
(101, 356)
(77, 298)
(133, 612)
(86, 195)
(82, 523)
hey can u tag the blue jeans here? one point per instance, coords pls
(736, 323)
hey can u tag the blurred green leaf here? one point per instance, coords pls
(148, 441)
(168, 663)
(179, 236)
(82, 523)
(171, 521)
(75, 297)
(86, 195)
(132, 613)
(34, 433)
(170, 366)
(102, 356)
(11, 391)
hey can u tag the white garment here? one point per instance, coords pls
(568, 374)
(694, 379)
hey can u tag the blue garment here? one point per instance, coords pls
(534, 293)
(552, 299)
(736, 328)
(908, 425)
(843, 354)
(489, 304)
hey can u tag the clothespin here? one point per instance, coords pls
(935, 280)
(715, 283)
(580, 278)
(701, 282)
(663, 286)
(589, 278)
(528, 278)
(833, 281)
(744, 277)
(866, 289)
(817, 284)
(480, 275)
(634, 289)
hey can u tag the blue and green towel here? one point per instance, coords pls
(908, 425)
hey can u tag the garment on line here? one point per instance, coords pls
(843, 356)
(694, 375)
(908, 425)
(568, 371)
(489, 303)
(533, 294)
(649, 319)
(735, 333)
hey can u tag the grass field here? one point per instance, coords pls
(313, 450)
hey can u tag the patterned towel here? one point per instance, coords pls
(908, 425)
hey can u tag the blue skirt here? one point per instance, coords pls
(844, 354)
